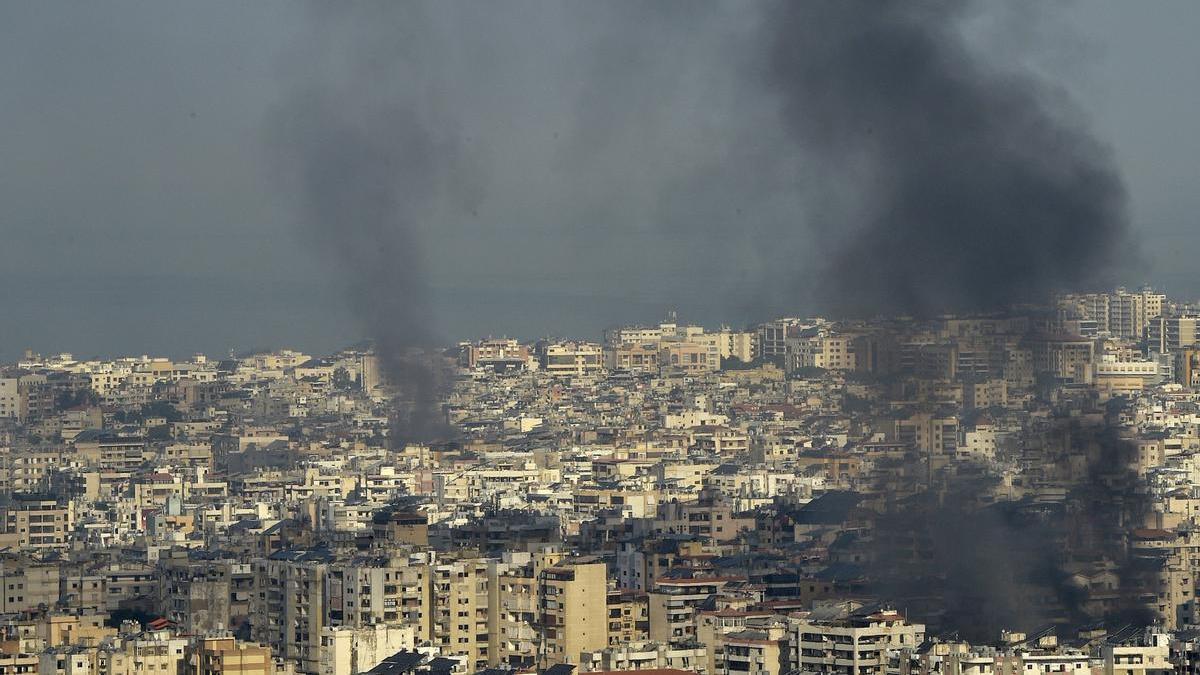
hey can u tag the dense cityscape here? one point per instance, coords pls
(601, 337)
(1004, 493)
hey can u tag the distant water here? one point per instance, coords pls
(180, 316)
(163, 315)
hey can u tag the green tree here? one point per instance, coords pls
(342, 380)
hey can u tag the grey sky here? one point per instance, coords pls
(138, 212)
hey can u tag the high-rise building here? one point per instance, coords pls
(574, 611)
(37, 521)
(1170, 333)
(1187, 367)
(9, 397)
(820, 349)
(459, 609)
(770, 340)
(369, 372)
(1121, 314)
(689, 357)
(498, 354)
(516, 608)
(752, 651)
(288, 610)
(195, 595)
(850, 645)
(380, 590)
(674, 603)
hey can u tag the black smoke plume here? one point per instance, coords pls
(949, 184)
(965, 559)
(581, 122)
(370, 169)
(639, 146)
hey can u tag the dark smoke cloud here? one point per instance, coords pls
(950, 184)
(576, 147)
(370, 166)
(637, 142)
(618, 153)
(965, 564)
(632, 149)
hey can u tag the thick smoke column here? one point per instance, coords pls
(631, 145)
(577, 120)
(368, 169)
(605, 161)
(950, 185)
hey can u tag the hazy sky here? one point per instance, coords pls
(139, 211)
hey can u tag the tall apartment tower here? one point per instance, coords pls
(1122, 313)
(460, 612)
(369, 369)
(288, 609)
(1171, 333)
(573, 607)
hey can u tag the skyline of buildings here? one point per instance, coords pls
(998, 493)
(426, 338)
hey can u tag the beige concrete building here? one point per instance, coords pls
(820, 349)
(853, 645)
(149, 653)
(347, 651)
(928, 433)
(385, 590)
(985, 393)
(689, 357)
(27, 585)
(514, 597)
(753, 651)
(674, 604)
(58, 630)
(647, 656)
(195, 595)
(500, 354)
(720, 440)
(1154, 656)
(109, 451)
(288, 609)
(228, 656)
(36, 522)
(459, 611)
(628, 618)
(571, 358)
(730, 344)
(635, 357)
(574, 611)
(1173, 332)
(1122, 313)
(10, 399)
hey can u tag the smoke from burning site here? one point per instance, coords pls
(857, 153)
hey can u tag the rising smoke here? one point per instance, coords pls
(731, 160)
(950, 184)
(616, 155)
(754, 155)
(510, 148)
(370, 167)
